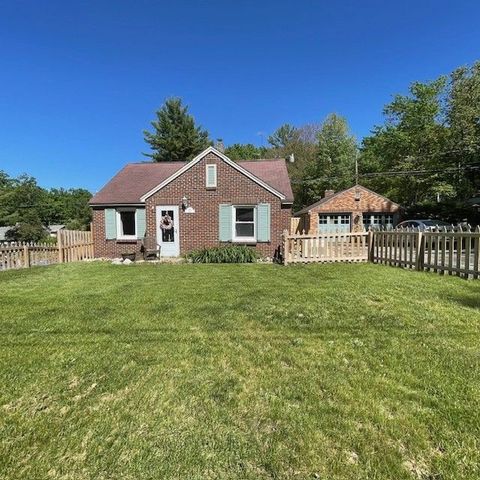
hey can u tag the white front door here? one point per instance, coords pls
(168, 230)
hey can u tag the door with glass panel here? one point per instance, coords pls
(168, 230)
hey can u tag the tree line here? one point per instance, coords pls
(29, 208)
(425, 156)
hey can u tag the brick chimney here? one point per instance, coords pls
(329, 193)
(219, 145)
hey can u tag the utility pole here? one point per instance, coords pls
(358, 215)
(356, 169)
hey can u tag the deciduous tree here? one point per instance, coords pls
(333, 166)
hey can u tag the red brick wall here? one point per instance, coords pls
(109, 248)
(345, 203)
(200, 229)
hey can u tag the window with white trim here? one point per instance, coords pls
(334, 219)
(378, 219)
(211, 175)
(126, 223)
(244, 224)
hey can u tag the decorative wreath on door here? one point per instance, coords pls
(167, 222)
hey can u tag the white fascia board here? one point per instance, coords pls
(226, 160)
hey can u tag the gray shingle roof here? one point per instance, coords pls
(3, 231)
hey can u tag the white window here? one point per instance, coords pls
(126, 223)
(378, 219)
(244, 224)
(211, 176)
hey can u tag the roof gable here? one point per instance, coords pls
(137, 181)
(242, 169)
(326, 200)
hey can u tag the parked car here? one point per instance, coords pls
(426, 225)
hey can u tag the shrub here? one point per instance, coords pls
(27, 232)
(228, 254)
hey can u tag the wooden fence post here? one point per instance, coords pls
(285, 247)
(420, 257)
(371, 241)
(26, 256)
(59, 246)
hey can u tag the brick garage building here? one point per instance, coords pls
(355, 208)
(206, 202)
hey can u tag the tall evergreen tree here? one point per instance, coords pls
(175, 136)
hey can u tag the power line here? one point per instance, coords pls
(392, 173)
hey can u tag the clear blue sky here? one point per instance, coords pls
(80, 81)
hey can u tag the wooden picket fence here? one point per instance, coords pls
(325, 247)
(447, 252)
(26, 254)
(71, 246)
(454, 252)
(74, 245)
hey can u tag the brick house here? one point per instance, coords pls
(207, 202)
(355, 208)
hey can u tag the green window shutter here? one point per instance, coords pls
(263, 222)
(110, 223)
(141, 225)
(225, 223)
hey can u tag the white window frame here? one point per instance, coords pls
(382, 217)
(335, 219)
(120, 235)
(207, 166)
(234, 222)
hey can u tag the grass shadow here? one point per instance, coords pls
(468, 301)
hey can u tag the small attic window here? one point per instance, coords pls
(211, 176)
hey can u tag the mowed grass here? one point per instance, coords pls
(238, 372)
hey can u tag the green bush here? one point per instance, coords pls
(228, 254)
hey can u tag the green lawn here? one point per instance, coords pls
(238, 371)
